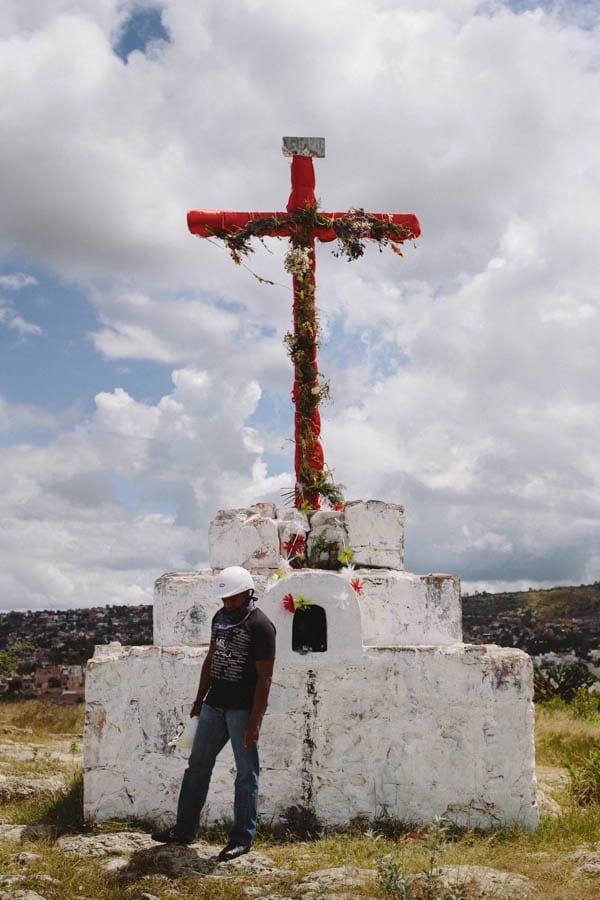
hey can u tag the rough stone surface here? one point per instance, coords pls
(375, 532)
(547, 805)
(25, 832)
(16, 787)
(184, 606)
(490, 882)
(376, 704)
(133, 854)
(432, 706)
(588, 862)
(98, 845)
(338, 877)
(239, 537)
(394, 608)
(22, 894)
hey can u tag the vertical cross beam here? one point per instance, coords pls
(302, 223)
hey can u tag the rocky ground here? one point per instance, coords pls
(132, 855)
(134, 865)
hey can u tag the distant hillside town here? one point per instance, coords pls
(43, 653)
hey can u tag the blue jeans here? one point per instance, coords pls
(215, 728)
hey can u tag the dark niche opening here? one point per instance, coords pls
(309, 630)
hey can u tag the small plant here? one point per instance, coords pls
(585, 704)
(428, 884)
(392, 879)
(346, 556)
(323, 553)
(585, 778)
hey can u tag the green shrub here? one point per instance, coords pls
(585, 778)
(563, 681)
(584, 704)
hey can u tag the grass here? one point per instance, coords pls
(40, 720)
(562, 738)
(387, 848)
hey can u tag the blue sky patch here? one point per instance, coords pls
(143, 27)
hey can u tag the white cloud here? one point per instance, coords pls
(79, 501)
(464, 375)
(16, 281)
(13, 320)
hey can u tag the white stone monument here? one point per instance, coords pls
(377, 707)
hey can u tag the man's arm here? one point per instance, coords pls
(204, 682)
(264, 670)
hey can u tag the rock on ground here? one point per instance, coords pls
(490, 882)
(25, 832)
(14, 788)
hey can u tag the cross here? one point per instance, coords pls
(302, 223)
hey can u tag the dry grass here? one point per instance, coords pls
(40, 720)
(561, 738)
(544, 856)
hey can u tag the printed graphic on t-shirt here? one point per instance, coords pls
(232, 650)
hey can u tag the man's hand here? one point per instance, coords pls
(196, 707)
(251, 732)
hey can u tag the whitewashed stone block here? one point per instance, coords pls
(399, 608)
(184, 606)
(418, 732)
(376, 533)
(266, 510)
(239, 537)
(395, 607)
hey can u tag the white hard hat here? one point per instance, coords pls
(232, 580)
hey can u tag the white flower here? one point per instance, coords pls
(342, 599)
(297, 261)
(348, 571)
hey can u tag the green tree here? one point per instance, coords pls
(9, 659)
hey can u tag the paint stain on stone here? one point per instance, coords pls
(308, 743)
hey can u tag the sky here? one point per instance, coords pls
(144, 383)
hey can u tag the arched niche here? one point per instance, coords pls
(309, 630)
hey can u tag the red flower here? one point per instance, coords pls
(295, 546)
(357, 585)
(288, 603)
(339, 507)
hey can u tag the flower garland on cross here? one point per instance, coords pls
(302, 224)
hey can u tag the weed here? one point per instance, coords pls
(585, 705)
(391, 877)
(585, 778)
(428, 884)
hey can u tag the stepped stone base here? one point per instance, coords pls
(415, 732)
(394, 607)
(376, 706)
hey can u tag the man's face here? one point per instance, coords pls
(235, 602)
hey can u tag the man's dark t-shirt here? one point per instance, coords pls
(233, 669)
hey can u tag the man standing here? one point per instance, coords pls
(232, 697)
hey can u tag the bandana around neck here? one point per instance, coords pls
(236, 616)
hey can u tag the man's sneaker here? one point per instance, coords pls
(169, 836)
(232, 851)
